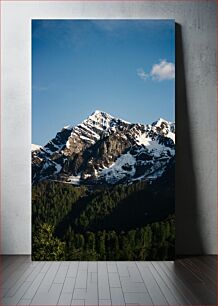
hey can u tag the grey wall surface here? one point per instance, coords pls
(196, 205)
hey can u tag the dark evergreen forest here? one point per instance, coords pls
(123, 222)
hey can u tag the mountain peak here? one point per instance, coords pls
(98, 114)
(159, 121)
(35, 147)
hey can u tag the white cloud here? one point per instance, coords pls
(141, 73)
(159, 72)
(163, 71)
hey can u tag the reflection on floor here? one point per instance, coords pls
(188, 281)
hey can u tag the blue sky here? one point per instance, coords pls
(123, 67)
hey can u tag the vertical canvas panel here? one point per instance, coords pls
(103, 152)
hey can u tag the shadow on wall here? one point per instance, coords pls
(188, 228)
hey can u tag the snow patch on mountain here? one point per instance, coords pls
(124, 166)
(158, 148)
(35, 147)
(164, 127)
(171, 136)
(142, 139)
(159, 122)
(74, 179)
(153, 145)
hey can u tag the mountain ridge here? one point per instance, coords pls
(106, 149)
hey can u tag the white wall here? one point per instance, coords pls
(196, 112)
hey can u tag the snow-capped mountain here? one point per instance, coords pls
(35, 147)
(105, 149)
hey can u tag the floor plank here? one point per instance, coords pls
(165, 286)
(151, 284)
(187, 281)
(65, 299)
(202, 269)
(31, 271)
(170, 281)
(203, 290)
(103, 281)
(17, 296)
(181, 283)
(48, 298)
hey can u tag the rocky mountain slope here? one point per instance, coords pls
(103, 149)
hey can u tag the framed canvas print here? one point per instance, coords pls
(103, 139)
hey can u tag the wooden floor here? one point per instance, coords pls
(188, 281)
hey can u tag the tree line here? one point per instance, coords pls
(122, 222)
(152, 242)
